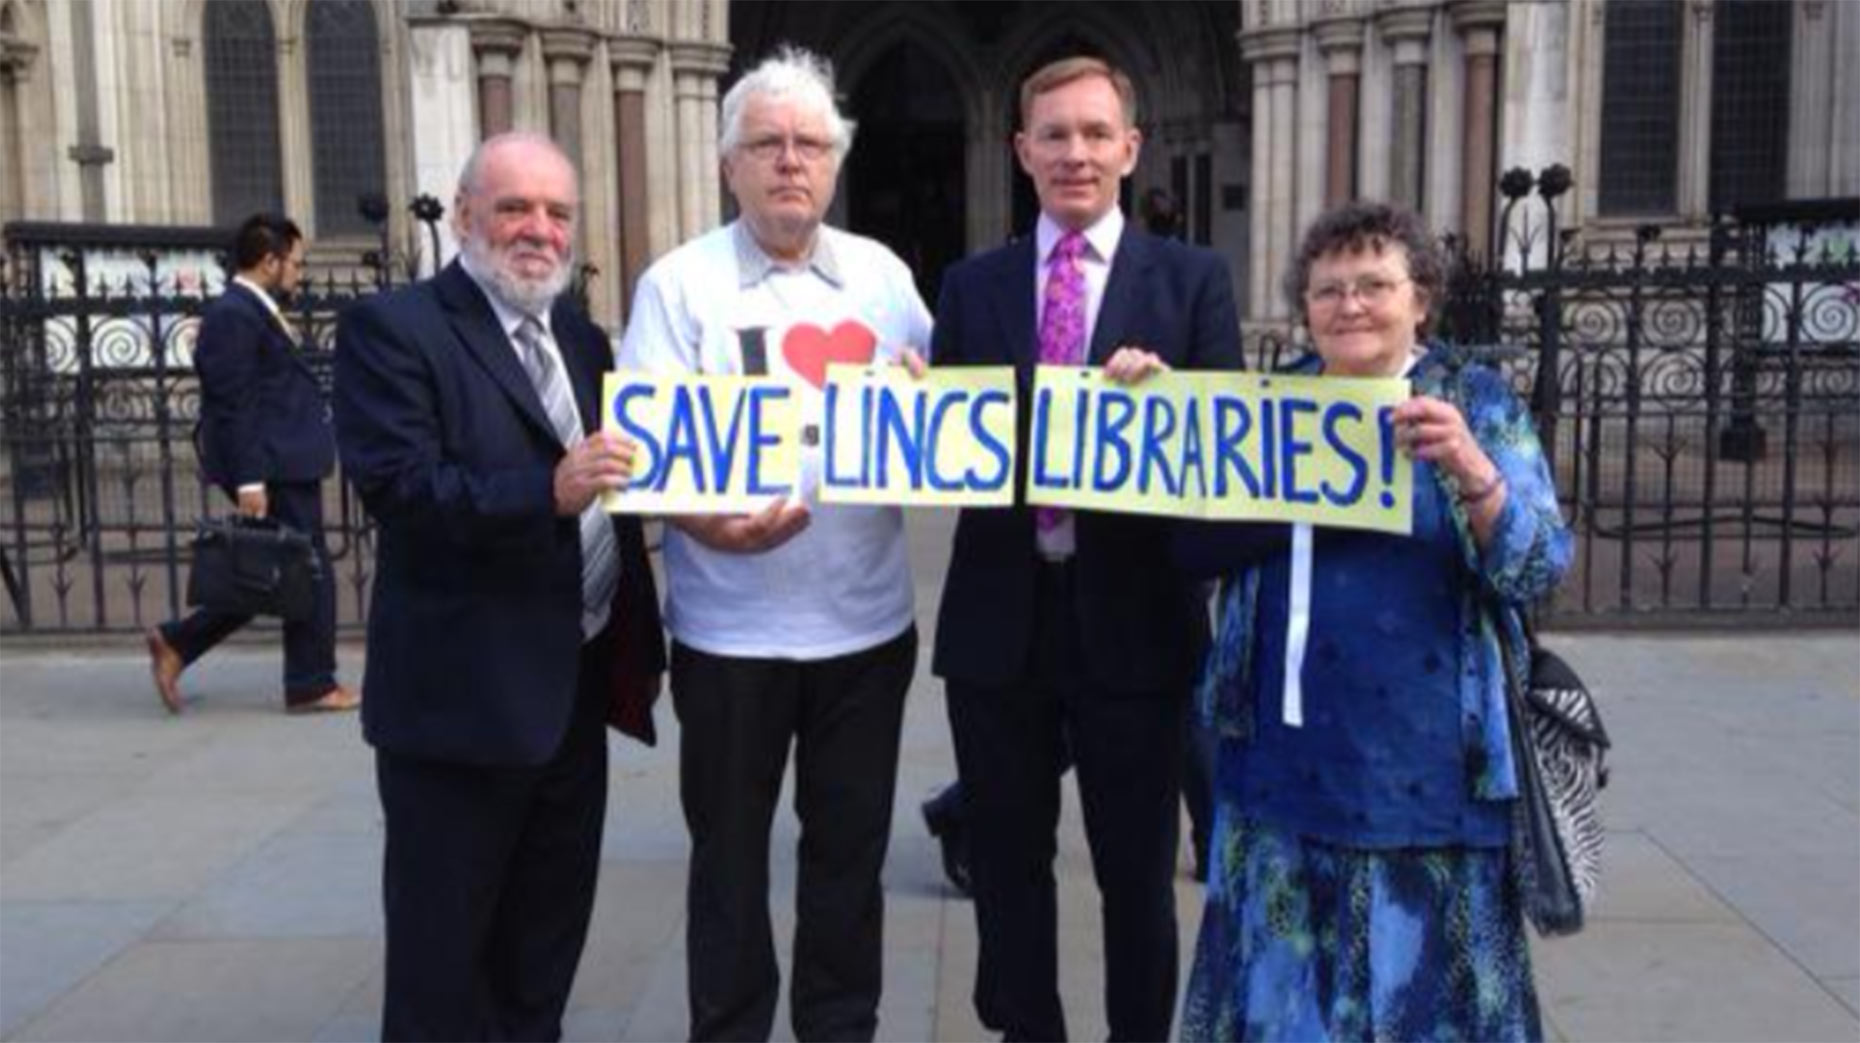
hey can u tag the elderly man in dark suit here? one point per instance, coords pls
(508, 606)
(265, 440)
(1071, 631)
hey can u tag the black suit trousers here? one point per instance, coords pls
(489, 880)
(1127, 749)
(309, 644)
(737, 719)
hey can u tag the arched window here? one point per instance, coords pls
(344, 58)
(242, 109)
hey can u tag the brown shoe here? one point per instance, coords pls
(165, 667)
(335, 700)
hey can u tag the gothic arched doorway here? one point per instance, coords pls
(904, 178)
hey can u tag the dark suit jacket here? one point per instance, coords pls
(1143, 625)
(474, 633)
(263, 417)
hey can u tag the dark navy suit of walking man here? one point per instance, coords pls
(1072, 630)
(508, 607)
(265, 441)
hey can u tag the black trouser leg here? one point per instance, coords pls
(1008, 756)
(309, 644)
(1128, 755)
(846, 771)
(736, 718)
(488, 883)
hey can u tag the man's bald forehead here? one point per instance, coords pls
(519, 148)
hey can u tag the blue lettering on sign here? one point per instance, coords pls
(1081, 409)
(759, 437)
(1359, 467)
(989, 443)
(1268, 450)
(681, 441)
(830, 438)
(1042, 407)
(1232, 422)
(650, 475)
(1294, 448)
(907, 433)
(1192, 463)
(1115, 411)
(1158, 426)
(933, 476)
(1385, 426)
(722, 449)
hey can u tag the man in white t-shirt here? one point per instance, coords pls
(794, 624)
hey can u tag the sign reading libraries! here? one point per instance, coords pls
(1191, 445)
(1228, 446)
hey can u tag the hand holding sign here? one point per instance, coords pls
(1433, 429)
(596, 464)
(1130, 364)
(764, 530)
(706, 444)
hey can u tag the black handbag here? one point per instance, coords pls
(1558, 744)
(254, 567)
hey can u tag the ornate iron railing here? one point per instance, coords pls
(1701, 402)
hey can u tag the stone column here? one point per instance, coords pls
(1406, 30)
(189, 149)
(567, 51)
(297, 165)
(632, 58)
(1479, 24)
(15, 64)
(695, 68)
(1341, 41)
(1695, 78)
(1811, 103)
(1273, 54)
(496, 46)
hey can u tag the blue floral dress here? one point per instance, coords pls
(1359, 886)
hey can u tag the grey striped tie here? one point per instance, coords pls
(600, 556)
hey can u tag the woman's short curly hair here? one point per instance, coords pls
(1365, 225)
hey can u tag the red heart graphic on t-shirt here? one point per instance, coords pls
(810, 349)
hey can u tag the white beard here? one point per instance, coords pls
(529, 296)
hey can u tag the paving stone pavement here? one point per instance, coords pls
(216, 876)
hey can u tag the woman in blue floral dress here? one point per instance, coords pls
(1360, 886)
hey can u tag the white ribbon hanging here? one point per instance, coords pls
(1297, 626)
(1298, 610)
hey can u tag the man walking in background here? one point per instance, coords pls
(265, 441)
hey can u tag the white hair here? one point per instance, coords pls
(791, 72)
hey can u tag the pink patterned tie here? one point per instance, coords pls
(1062, 328)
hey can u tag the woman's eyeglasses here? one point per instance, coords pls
(1372, 290)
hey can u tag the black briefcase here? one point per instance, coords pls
(254, 567)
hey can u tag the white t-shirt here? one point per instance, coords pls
(843, 584)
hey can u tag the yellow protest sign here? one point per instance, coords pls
(1221, 446)
(705, 444)
(944, 441)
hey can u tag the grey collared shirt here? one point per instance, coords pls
(753, 264)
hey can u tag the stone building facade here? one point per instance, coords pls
(1258, 113)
